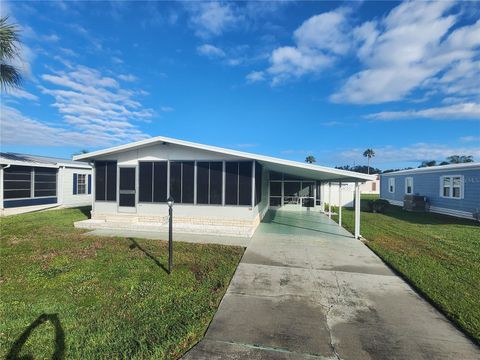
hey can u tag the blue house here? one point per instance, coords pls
(449, 189)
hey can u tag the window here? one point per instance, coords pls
(374, 186)
(105, 180)
(22, 182)
(391, 185)
(409, 185)
(451, 187)
(238, 183)
(17, 182)
(182, 181)
(153, 181)
(209, 182)
(81, 184)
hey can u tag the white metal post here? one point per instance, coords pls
(340, 203)
(329, 200)
(357, 210)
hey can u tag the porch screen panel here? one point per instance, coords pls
(275, 188)
(160, 181)
(176, 181)
(245, 183)
(188, 180)
(203, 169)
(111, 190)
(231, 183)
(100, 179)
(258, 183)
(45, 182)
(17, 182)
(145, 181)
(106, 180)
(216, 179)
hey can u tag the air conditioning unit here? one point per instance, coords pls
(415, 203)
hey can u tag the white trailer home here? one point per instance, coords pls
(29, 183)
(216, 190)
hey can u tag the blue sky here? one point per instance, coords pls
(285, 79)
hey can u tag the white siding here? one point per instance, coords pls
(65, 184)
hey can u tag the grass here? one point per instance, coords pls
(83, 297)
(439, 255)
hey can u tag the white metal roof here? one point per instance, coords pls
(7, 158)
(439, 168)
(287, 166)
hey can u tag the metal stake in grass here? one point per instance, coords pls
(170, 202)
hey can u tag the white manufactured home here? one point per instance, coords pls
(216, 190)
(29, 182)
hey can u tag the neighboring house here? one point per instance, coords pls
(450, 189)
(371, 187)
(29, 182)
(215, 190)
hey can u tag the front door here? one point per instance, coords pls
(127, 189)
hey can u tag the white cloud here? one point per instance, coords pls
(96, 105)
(246, 145)
(210, 51)
(407, 50)
(51, 38)
(255, 76)
(18, 129)
(167, 109)
(127, 77)
(21, 94)
(319, 41)
(212, 18)
(470, 138)
(411, 153)
(452, 112)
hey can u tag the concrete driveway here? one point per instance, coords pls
(306, 289)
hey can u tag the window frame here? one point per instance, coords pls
(451, 187)
(84, 184)
(391, 185)
(406, 185)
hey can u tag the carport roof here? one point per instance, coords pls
(295, 168)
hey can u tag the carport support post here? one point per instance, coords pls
(357, 210)
(329, 200)
(340, 203)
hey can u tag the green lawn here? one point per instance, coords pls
(439, 255)
(82, 297)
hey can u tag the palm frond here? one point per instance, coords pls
(9, 76)
(9, 38)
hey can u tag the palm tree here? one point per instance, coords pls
(459, 159)
(369, 153)
(9, 51)
(310, 159)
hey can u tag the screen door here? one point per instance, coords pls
(127, 189)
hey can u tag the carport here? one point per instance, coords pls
(306, 289)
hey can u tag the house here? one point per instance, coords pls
(371, 187)
(449, 189)
(29, 182)
(216, 190)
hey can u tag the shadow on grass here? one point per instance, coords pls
(22, 339)
(86, 210)
(136, 245)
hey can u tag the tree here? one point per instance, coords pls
(83, 151)
(310, 159)
(459, 159)
(9, 51)
(369, 153)
(428, 163)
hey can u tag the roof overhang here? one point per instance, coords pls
(309, 171)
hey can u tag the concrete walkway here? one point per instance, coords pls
(306, 289)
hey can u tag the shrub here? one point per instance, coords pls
(376, 206)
